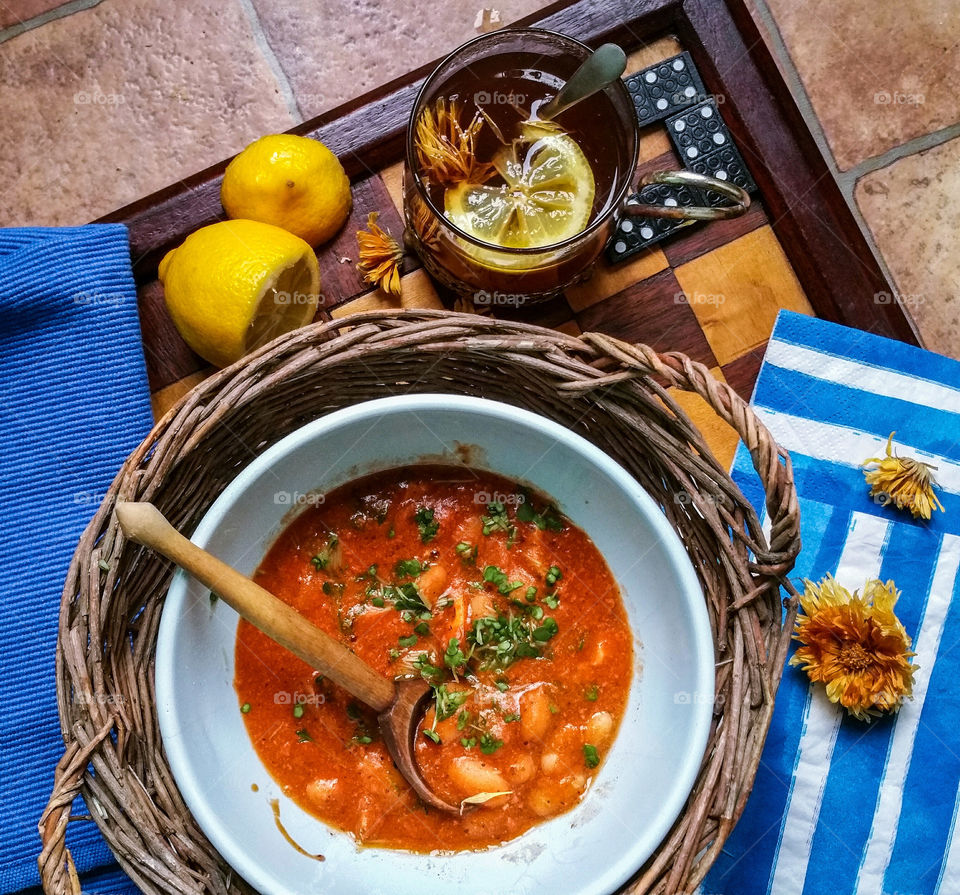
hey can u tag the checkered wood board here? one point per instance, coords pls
(711, 291)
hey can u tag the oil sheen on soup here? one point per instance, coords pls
(484, 589)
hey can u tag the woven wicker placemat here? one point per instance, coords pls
(612, 393)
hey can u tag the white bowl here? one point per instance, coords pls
(649, 770)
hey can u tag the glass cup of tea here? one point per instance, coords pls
(499, 202)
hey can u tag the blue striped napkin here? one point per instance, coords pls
(74, 401)
(841, 807)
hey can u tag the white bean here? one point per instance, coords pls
(599, 652)
(521, 768)
(535, 714)
(599, 728)
(548, 797)
(320, 791)
(471, 776)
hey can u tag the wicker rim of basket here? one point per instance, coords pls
(613, 392)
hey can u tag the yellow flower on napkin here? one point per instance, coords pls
(855, 645)
(902, 481)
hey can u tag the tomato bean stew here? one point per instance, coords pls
(484, 589)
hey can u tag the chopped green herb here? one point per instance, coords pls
(499, 641)
(551, 601)
(428, 671)
(531, 594)
(408, 641)
(405, 597)
(298, 711)
(363, 739)
(322, 559)
(353, 711)
(408, 568)
(580, 642)
(590, 755)
(333, 588)
(378, 602)
(502, 684)
(496, 575)
(554, 709)
(447, 702)
(489, 744)
(454, 657)
(496, 519)
(423, 629)
(463, 719)
(547, 630)
(591, 693)
(467, 554)
(431, 734)
(391, 533)
(245, 708)
(468, 742)
(394, 654)
(547, 519)
(303, 736)
(513, 716)
(553, 576)
(533, 611)
(427, 524)
(369, 575)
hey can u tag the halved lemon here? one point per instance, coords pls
(546, 197)
(233, 286)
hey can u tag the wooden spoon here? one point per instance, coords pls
(399, 704)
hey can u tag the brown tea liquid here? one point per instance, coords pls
(507, 88)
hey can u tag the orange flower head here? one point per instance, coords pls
(902, 481)
(380, 256)
(446, 151)
(855, 645)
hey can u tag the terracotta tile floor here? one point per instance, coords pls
(87, 86)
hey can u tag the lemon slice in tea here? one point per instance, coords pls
(546, 196)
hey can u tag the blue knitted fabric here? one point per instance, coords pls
(74, 401)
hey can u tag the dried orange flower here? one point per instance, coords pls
(446, 151)
(903, 481)
(855, 645)
(380, 256)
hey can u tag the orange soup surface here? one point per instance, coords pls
(485, 590)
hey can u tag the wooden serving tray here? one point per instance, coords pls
(712, 291)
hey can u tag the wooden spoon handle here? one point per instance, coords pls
(145, 524)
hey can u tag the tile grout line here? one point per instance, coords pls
(845, 182)
(911, 147)
(794, 82)
(51, 15)
(273, 62)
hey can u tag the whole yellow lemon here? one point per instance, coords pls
(290, 182)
